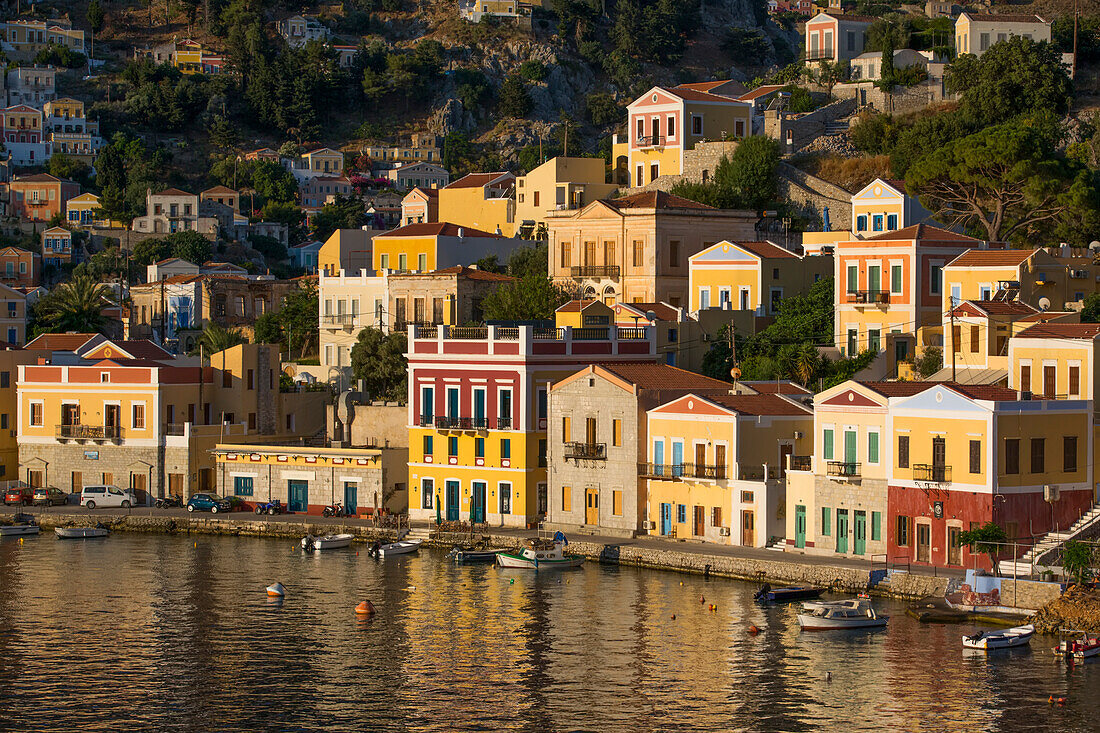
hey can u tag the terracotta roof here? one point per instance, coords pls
(436, 229)
(663, 311)
(431, 193)
(172, 192)
(574, 306)
(40, 178)
(174, 280)
(1001, 307)
(655, 200)
(703, 86)
(1005, 18)
(898, 389)
(1061, 331)
(923, 231)
(692, 95)
(984, 392)
(173, 259)
(854, 18)
(476, 180)
(767, 250)
(992, 257)
(783, 387)
(471, 272)
(761, 404)
(220, 189)
(60, 341)
(897, 183)
(651, 375)
(760, 92)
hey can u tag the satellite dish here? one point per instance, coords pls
(1094, 244)
(1044, 304)
(650, 315)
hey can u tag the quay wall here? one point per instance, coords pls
(752, 569)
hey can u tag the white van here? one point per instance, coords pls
(93, 496)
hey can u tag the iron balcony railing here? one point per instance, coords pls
(594, 451)
(646, 141)
(340, 319)
(699, 470)
(426, 421)
(580, 271)
(843, 469)
(504, 423)
(467, 332)
(818, 54)
(591, 333)
(461, 423)
(802, 463)
(89, 432)
(175, 428)
(509, 333)
(930, 472)
(868, 296)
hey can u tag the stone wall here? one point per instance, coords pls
(381, 424)
(1028, 594)
(700, 161)
(813, 194)
(867, 495)
(121, 463)
(793, 132)
(901, 100)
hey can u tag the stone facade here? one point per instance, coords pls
(868, 495)
(795, 131)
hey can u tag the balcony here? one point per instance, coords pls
(591, 333)
(651, 141)
(89, 432)
(869, 297)
(843, 469)
(340, 320)
(426, 421)
(801, 463)
(819, 54)
(533, 342)
(504, 423)
(665, 471)
(931, 473)
(590, 451)
(175, 428)
(594, 271)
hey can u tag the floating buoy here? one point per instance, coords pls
(1061, 701)
(365, 608)
(673, 617)
(753, 630)
(511, 581)
(276, 590)
(713, 607)
(702, 600)
(681, 582)
(20, 540)
(828, 676)
(196, 544)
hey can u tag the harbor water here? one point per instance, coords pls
(166, 633)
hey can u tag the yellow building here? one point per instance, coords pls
(751, 276)
(10, 362)
(883, 206)
(324, 162)
(976, 32)
(1030, 276)
(665, 122)
(347, 249)
(977, 334)
(1055, 360)
(14, 307)
(485, 201)
(716, 469)
(83, 211)
(435, 246)
(348, 302)
(559, 183)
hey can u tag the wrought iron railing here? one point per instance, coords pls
(504, 423)
(467, 332)
(175, 428)
(869, 296)
(509, 333)
(542, 333)
(594, 451)
(931, 472)
(662, 470)
(89, 432)
(843, 469)
(340, 319)
(595, 271)
(802, 463)
(426, 421)
(651, 140)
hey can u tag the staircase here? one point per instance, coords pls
(1038, 552)
(416, 533)
(836, 127)
(317, 440)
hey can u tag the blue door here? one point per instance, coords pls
(677, 459)
(659, 458)
(477, 510)
(452, 501)
(479, 408)
(666, 519)
(351, 496)
(297, 495)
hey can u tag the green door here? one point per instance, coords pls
(351, 497)
(842, 531)
(799, 526)
(859, 539)
(477, 508)
(850, 448)
(874, 279)
(297, 495)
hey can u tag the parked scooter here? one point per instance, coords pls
(172, 500)
(271, 507)
(334, 510)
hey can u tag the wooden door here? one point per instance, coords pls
(748, 528)
(939, 459)
(77, 482)
(108, 478)
(592, 506)
(700, 460)
(666, 519)
(786, 450)
(699, 526)
(924, 543)
(590, 430)
(297, 495)
(452, 501)
(954, 547)
(70, 414)
(720, 461)
(175, 484)
(842, 531)
(477, 509)
(34, 478)
(351, 497)
(1049, 388)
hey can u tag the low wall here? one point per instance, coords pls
(1028, 594)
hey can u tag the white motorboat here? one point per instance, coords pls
(80, 533)
(401, 547)
(811, 606)
(1077, 644)
(327, 542)
(540, 554)
(1003, 639)
(22, 526)
(860, 616)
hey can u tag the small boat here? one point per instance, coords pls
(767, 594)
(811, 606)
(1077, 645)
(459, 553)
(327, 542)
(541, 554)
(1003, 639)
(862, 616)
(22, 525)
(81, 533)
(401, 547)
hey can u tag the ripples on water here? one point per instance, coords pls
(167, 633)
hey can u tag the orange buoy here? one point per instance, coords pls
(702, 600)
(276, 590)
(1051, 699)
(673, 617)
(365, 608)
(753, 630)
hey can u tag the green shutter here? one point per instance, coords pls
(828, 445)
(853, 278)
(826, 521)
(876, 526)
(895, 278)
(872, 447)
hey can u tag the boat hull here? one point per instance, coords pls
(328, 542)
(473, 556)
(19, 530)
(789, 595)
(80, 533)
(809, 622)
(1009, 639)
(510, 560)
(403, 547)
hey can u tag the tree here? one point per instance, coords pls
(986, 539)
(379, 361)
(513, 99)
(602, 109)
(530, 298)
(1005, 180)
(490, 263)
(294, 325)
(75, 305)
(189, 245)
(752, 171)
(214, 338)
(151, 250)
(345, 212)
(830, 73)
(95, 16)
(1090, 310)
(1013, 77)
(532, 261)
(1077, 561)
(929, 362)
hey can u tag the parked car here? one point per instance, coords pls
(49, 497)
(19, 495)
(106, 495)
(208, 503)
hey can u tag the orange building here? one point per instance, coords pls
(41, 197)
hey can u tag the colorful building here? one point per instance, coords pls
(977, 335)
(835, 37)
(57, 247)
(20, 267)
(483, 201)
(884, 206)
(435, 246)
(976, 32)
(40, 196)
(83, 212)
(478, 414)
(14, 306)
(751, 276)
(560, 183)
(319, 162)
(420, 206)
(1055, 360)
(1031, 276)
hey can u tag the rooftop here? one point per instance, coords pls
(992, 258)
(781, 387)
(477, 180)
(767, 250)
(760, 92)
(997, 307)
(472, 273)
(437, 229)
(760, 404)
(655, 200)
(925, 232)
(59, 341)
(1061, 331)
(653, 375)
(172, 192)
(1004, 18)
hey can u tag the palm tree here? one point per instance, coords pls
(215, 338)
(805, 364)
(76, 305)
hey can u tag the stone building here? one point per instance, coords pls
(173, 210)
(597, 439)
(451, 296)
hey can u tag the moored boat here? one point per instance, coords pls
(541, 554)
(23, 525)
(811, 606)
(861, 616)
(81, 533)
(1077, 644)
(326, 542)
(401, 547)
(462, 554)
(788, 594)
(1001, 639)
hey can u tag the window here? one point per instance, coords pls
(671, 126)
(876, 526)
(5, 380)
(704, 298)
(975, 456)
(1074, 381)
(826, 521)
(903, 451)
(696, 125)
(567, 498)
(935, 279)
(876, 222)
(36, 413)
(452, 447)
(874, 339)
(638, 253)
(242, 486)
(616, 432)
(251, 379)
(828, 444)
(427, 491)
(506, 448)
(137, 420)
(674, 253)
(861, 223)
(617, 496)
(422, 262)
(505, 490)
(1012, 455)
(903, 531)
(227, 379)
(429, 445)
(251, 421)
(1069, 453)
(542, 453)
(566, 429)
(1038, 457)
(681, 513)
(385, 264)
(565, 254)
(853, 278)
(1050, 380)
(895, 278)
(1025, 377)
(891, 222)
(716, 516)
(872, 447)
(479, 447)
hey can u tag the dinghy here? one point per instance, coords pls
(1076, 644)
(767, 594)
(327, 542)
(470, 554)
(80, 533)
(1003, 639)
(402, 547)
(22, 525)
(861, 616)
(540, 554)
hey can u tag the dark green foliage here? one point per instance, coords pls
(745, 180)
(602, 109)
(1013, 77)
(379, 362)
(214, 338)
(287, 213)
(125, 170)
(74, 305)
(162, 98)
(473, 89)
(653, 31)
(801, 100)
(1088, 36)
(294, 324)
(533, 297)
(929, 362)
(533, 70)
(345, 212)
(58, 55)
(988, 539)
(923, 135)
(874, 133)
(746, 45)
(513, 99)
(490, 263)
(1077, 561)
(1090, 312)
(95, 16)
(188, 245)
(64, 166)
(531, 261)
(271, 248)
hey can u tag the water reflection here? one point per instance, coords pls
(167, 633)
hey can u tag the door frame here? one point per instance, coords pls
(748, 534)
(478, 500)
(666, 519)
(800, 526)
(291, 486)
(351, 507)
(954, 549)
(859, 522)
(842, 519)
(450, 490)
(591, 506)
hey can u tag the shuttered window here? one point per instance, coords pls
(828, 444)
(826, 521)
(1069, 453)
(876, 526)
(903, 451)
(975, 456)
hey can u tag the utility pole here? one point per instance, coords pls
(954, 345)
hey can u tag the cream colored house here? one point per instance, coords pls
(884, 206)
(751, 276)
(976, 32)
(559, 184)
